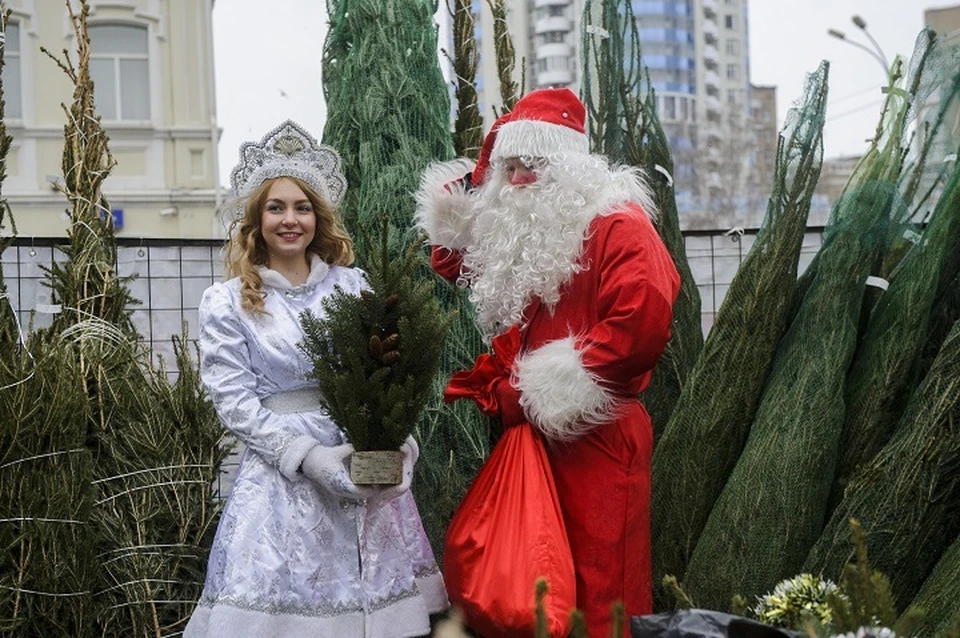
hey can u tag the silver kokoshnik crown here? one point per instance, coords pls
(289, 151)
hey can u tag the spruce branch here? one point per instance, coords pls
(375, 355)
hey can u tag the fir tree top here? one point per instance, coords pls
(375, 355)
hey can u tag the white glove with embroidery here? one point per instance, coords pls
(326, 467)
(411, 452)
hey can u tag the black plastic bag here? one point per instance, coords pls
(702, 623)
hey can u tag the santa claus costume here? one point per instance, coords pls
(573, 259)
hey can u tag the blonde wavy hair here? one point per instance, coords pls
(246, 248)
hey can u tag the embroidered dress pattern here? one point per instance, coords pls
(290, 559)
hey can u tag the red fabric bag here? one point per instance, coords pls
(509, 530)
(507, 533)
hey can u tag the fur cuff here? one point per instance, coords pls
(443, 206)
(293, 455)
(561, 397)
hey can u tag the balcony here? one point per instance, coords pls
(552, 23)
(555, 77)
(554, 50)
(550, 3)
(711, 78)
(711, 29)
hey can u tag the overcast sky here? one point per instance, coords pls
(268, 62)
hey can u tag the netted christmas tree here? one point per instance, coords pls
(624, 126)
(711, 421)
(389, 116)
(47, 555)
(907, 498)
(773, 505)
(126, 457)
(884, 371)
(938, 601)
(468, 125)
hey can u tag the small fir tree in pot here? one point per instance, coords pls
(375, 357)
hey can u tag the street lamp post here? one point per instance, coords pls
(876, 53)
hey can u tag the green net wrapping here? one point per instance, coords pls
(919, 262)
(389, 116)
(711, 421)
(625, 126)
(47, 550)
(884, 369)
(772, 508)
(939, 597)
(907, 498)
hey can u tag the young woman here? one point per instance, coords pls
(300, 550)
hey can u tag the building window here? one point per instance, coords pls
(733, 47)
(119, 66)
(12, 86)
(556, 10)
(733, 71)
(728, 21)
(553, 36)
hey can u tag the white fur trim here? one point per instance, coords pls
(561, 397)
(536, 138)
(443, 210)
(293, 455)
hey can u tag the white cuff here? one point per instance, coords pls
(443, 206)
(294, 454)
(562, 398)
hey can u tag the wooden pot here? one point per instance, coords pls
(376, 467)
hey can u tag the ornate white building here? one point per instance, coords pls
(152, 65)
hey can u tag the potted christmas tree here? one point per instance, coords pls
(375, 356)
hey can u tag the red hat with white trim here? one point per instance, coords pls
(543, 122)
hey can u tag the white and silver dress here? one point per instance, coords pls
(290, 559)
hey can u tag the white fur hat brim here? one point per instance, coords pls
(535, 138)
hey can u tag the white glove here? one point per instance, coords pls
(411, 452)
(325, 466)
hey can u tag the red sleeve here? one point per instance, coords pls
(446, 262)
(637, 286)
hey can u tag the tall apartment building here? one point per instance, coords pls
(152, 66)
(697, 52)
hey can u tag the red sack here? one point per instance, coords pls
(507, 533)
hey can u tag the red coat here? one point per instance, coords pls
(581, 368)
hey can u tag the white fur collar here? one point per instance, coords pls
(273, 279)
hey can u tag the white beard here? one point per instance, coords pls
(527, 240)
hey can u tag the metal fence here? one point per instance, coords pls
(168, 277)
